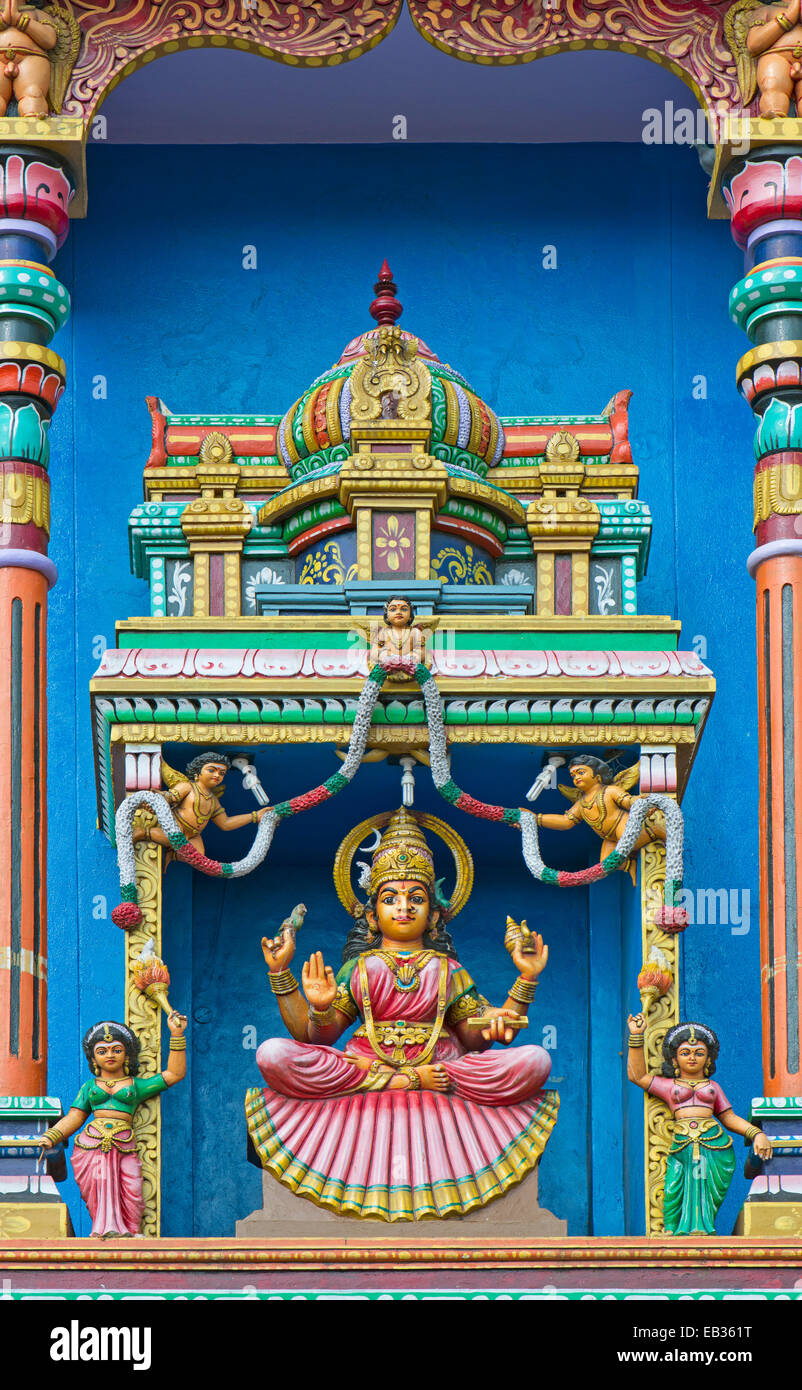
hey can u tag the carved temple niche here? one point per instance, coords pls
(699, 44)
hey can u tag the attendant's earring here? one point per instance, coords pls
(126, 1069)
(676, 1069)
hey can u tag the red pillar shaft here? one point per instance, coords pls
(23, 852)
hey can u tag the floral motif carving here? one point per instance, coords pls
(687, 39)
(118, 36)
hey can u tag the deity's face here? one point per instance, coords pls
(692, 1058)
(399, 613)
(212, 774)
(403, 911)
(109, 1057)
(583, 777)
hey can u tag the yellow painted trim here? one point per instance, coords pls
(460, 622)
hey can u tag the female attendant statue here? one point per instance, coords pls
(104, 1160)
(417, 1116)
(701, 1161)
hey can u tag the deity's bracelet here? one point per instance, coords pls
(322, 1017)
(784, 23)
(636, 1040)
(282, 982)
(178, 1043)
(523, 991)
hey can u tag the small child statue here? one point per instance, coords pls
(398, 644)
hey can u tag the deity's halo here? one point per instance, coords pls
(348, 847)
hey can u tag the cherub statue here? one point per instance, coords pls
(701, 1161)
(602, 801)
(398, 644)
(38, 49)
(766, 42)
(194, 798)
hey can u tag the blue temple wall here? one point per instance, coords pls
(162, 306)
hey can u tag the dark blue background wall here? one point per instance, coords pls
(638, 299)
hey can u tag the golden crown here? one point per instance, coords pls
(402, 854)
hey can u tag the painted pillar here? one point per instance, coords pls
(35, 193)
(763, 191)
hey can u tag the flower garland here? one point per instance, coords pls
(670, 917)
(128, 914)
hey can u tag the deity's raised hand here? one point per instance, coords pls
(526, 948)
(279, 950)
(318, 982)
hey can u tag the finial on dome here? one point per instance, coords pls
(385, 308)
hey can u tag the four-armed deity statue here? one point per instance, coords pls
(418, 1115)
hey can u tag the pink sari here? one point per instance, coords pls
(400, 1155)
(109, 1175)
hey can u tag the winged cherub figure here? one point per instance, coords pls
(38, 51)
(603, 801)
(766, 42)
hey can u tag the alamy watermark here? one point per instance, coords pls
(714, 907)
(683, 125)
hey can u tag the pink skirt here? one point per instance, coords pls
(400, 1155)
(110, 1181)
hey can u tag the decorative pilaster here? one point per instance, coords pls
(35, 192)
(658, 773)
(563, 526)
(215, 526)
(764, 194)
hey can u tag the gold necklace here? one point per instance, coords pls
(406, 968)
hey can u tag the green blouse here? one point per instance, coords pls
(93, 1097)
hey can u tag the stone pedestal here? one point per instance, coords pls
(517, 1215)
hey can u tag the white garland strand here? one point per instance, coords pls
(157, 803)
(641, 805)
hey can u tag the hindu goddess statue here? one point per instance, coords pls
(417, 1117)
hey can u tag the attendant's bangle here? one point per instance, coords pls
(321, 1017)
(178, 1044)
(23, 22)
(538, 818)
(523, 991)
(282, 982)
(254, 814)
(636, 1040)
(751, 1133)
(784, 23)
(55, 1134)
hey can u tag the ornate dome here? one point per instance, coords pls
(314, 434)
